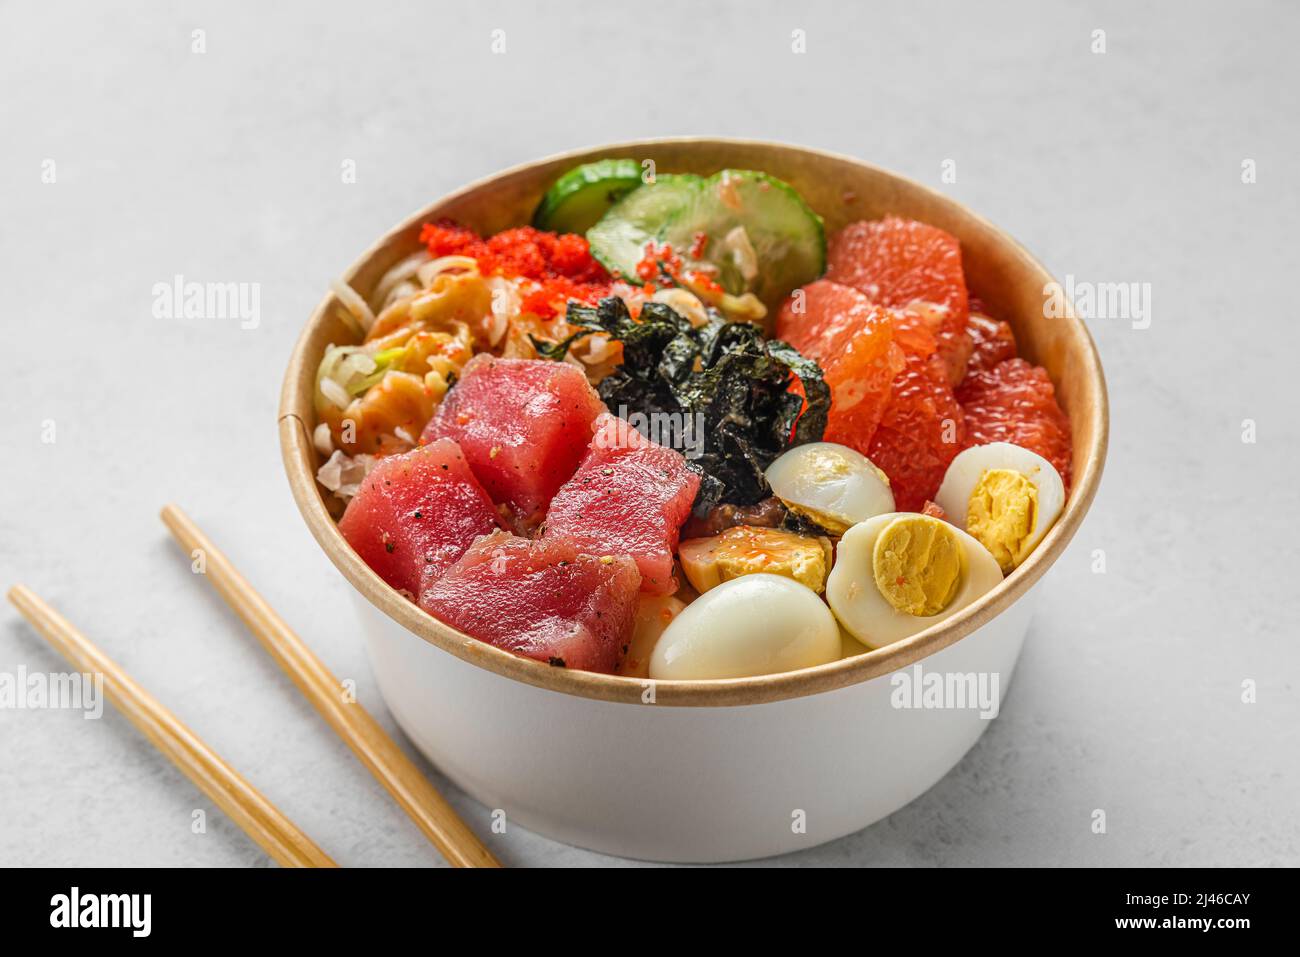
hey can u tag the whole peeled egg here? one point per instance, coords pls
(898, 574)
(758, 624)
(1005, 496)
(831, 484)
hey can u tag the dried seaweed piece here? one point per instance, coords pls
(728, 373)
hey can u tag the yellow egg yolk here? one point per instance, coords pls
(917, 564)
(1001, 515)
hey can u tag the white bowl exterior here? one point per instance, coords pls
(685, 784)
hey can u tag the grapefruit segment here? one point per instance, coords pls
(852, 340)
(819, 318)
(899, 262)
(920, 432)
(896, 262)
(992, 342)
(1016, 402)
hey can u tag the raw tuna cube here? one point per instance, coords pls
(524, 424)
(629, 496)
(540, 599)
(416, 513)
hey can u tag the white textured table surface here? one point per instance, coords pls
(1123, 166)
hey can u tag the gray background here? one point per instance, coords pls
(225, 166)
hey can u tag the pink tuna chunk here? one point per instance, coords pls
(540, 599)
(416, 513)
(523, 424)
(629, 496)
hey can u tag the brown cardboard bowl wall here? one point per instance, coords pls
(998, 270)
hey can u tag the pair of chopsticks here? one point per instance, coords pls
(260, 819)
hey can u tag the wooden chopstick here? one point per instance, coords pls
(361, 732)
(259, 818)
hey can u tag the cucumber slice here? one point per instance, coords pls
(619, 239)
(582, 195)
(782, 245)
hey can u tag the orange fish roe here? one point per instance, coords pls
(557, 266)
(660, 261)
(934, 510)
(657, 260)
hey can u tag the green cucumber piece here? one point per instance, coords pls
(582, 195)
(619, 239)
(787, 238)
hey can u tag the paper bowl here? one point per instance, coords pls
(702, 770)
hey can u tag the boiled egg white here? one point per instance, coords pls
(758, 624)
(1006, 496)
(850, 646)
(898, 574)
(831, 484)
